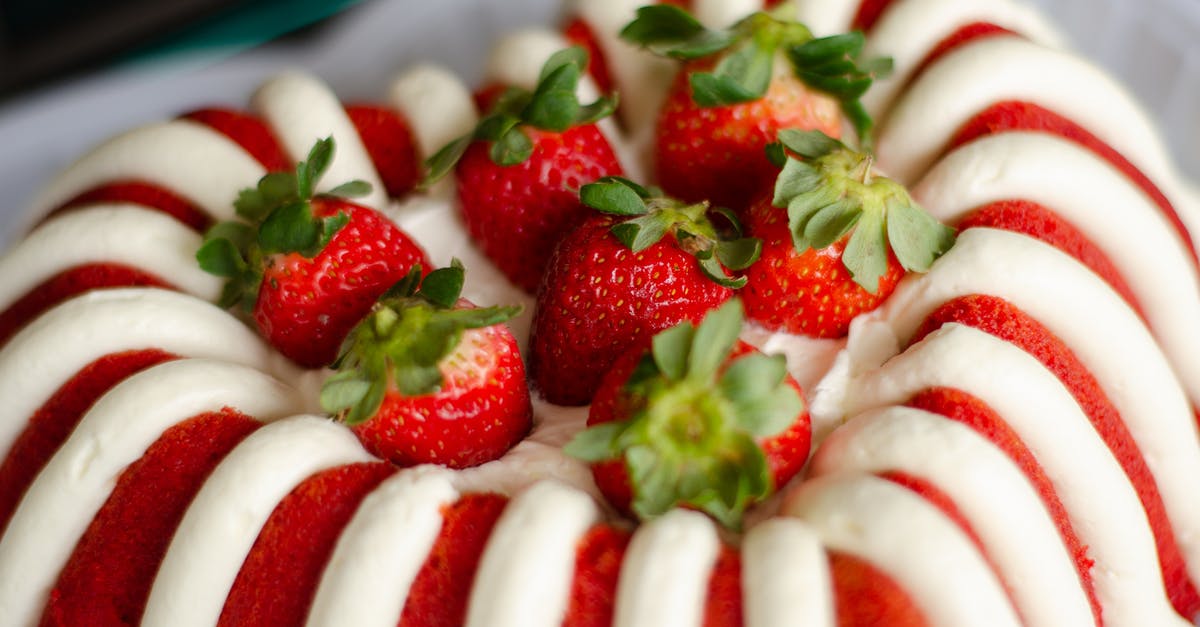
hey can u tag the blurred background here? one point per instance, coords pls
(74, 72)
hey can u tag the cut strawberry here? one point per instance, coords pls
(866, 597)
(1036, 221)
(1016, 115)
(249, 132)
(974, 413)
(308, 268)
(438, 596)
(67, 284)
(107, 580)
(276, 583)
(428, 378)
(723, 605)
(690, 422)
(1005, 321)
(54, 421)
(594, 586)
(390, 143)
(146, 195)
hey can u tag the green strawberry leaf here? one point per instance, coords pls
(595, 444)
(866, 252)
(511, 148)
(351, 189)
(309, 171)
(343, 391)
(443, 286)
(671, 349)
(442, 161)
(916, 237)
(796, 178)
(714, 338)
(832, 222)
(554, 106)
(810, 144)
(712, 268)
(740, 253)
(289, 228)
(614, 195)
(642, 232)
(221, 257)
(740, 76)
(670, 31)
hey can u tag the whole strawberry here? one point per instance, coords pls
(427, 378)
(520, 171)
(699, 419)
(307, 267)
(836, 238)
(732, 96)
(642, 265)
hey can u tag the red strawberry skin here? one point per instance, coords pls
(107, 580)
(481, 410)
(599, 298)
(389, 141)
(66, 284)
(306, 307)
(717, 153)
(54, 421)
(786, 452)
(249, 132)
(810, 293)
(280, 575)
(516, 214)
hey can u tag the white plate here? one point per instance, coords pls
(1153, 41)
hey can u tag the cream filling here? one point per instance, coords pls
(909, 29)
(382, 549)
(117, 430)
(1094, 197)
(935, 563)
(785, 576)
(300, 110)
(1103, 507)
(111, 233)
(168, 154)
(437, 105)
(1061, 293)
(998, 501)
(225, 518)
(534, 541)
(664, 577)
(826, 17)
(981, 73)
(724, 13)
(53, 348)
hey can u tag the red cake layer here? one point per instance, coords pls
(249, 132)
(107, 580)
(864, 596)
(145, 194)
(53, 422)
(390, 144)
(67, 284)
(279, 577)
(597, 567)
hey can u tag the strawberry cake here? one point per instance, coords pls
(707, 312)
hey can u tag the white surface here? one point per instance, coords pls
(1151, 44)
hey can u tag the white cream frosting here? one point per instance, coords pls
(168, 154)
(723, 13)
(908, 30)
(935, 563)
(436, 104)
(118, 233)
(996, 499)
(54, 347)
(381, 550)
(981, 73)
(118, 429)
(1060, 293)
(534, 540)
(1100, 501)
(300, 110)
(785, 576)
(1093, 196)
(827, 17)
(664, 577)
(224, 519)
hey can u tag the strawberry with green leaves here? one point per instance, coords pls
(698, 420)
(428, 378)
(642, 264)
(738, 87)
(520, 170)
(836, 238)
(308, 267)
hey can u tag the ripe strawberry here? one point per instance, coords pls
(248, 131)
(428, 378)
(616, 280)
(390, 143)
(842, 244)
(519, 172)
(730, 99)
(309, 268)
(699, 419)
